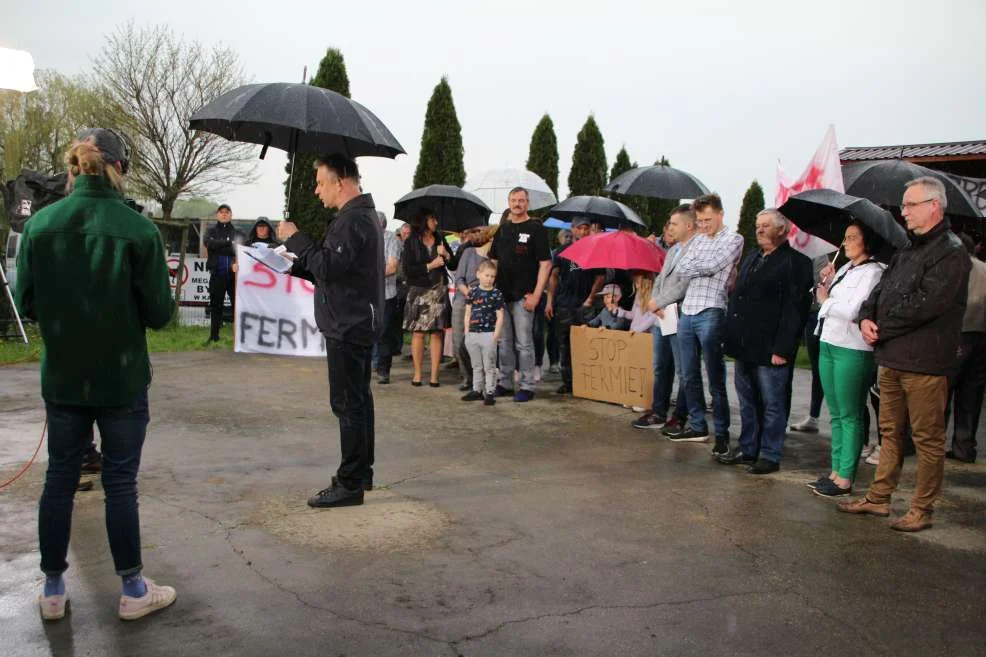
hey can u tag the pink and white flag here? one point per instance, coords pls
(823, 172)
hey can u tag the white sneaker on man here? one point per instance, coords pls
(157, 597)
(874, 457)
(807, 425)
(866, 451)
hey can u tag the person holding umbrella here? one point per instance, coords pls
(347, 268)
(427, 312)
(913, 320)
(845, 361)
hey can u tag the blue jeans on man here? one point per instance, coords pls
(666, 363)
(516, 346)
(704, 330)
(122, 430)
(762, 392)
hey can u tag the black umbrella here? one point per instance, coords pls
(658, 181)
(884, 182)
(610, 213)
(456, 208)
(298, 118)
(825, 214)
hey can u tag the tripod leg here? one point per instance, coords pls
(10, 298)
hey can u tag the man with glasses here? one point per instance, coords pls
(709, 266)
(913, 319)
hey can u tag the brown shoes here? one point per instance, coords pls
(913, 521)
(865, 507)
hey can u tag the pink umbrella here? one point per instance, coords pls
(619, 250)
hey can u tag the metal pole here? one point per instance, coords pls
(294, 147)
(13, 306)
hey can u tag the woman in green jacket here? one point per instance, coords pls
(92, 273)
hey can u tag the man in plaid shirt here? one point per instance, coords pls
(709, 264)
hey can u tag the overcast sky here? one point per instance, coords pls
(723, 89)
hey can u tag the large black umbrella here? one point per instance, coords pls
(825, 214)
(456, 208)
(884, 182)
(610, 213)
(298, 118)
(658, 181)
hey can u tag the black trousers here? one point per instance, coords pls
(813, 345)
(219, 287)
(967, 395)
(567, 318)
(392, 340)
(352, 402)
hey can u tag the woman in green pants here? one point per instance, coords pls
(845, 360)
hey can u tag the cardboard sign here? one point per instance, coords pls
(612, 366)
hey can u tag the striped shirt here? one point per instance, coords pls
(709, 264)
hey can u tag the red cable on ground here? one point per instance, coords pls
(28, 464)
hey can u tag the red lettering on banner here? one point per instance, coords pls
(260, 269)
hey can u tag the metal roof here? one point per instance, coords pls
(945, 149)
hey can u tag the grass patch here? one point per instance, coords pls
(183, 338)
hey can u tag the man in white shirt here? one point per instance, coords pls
(709, 266)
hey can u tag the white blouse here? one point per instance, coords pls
(845, 298)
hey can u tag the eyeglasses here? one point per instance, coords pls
(908, 205)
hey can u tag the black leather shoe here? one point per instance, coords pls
(735, 457)
(367, 483)
(951, 455)
(500, 391)
(763, 466)
(336, 495)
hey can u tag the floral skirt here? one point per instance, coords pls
(427, 309)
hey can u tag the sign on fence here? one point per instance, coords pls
(612, 366)
(194, 279)
(275, 313)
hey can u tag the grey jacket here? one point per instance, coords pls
(975, 307)
(669, 287)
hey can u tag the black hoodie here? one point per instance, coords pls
(270, 240)
(348, 271)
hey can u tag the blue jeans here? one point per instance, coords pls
(705, 330)
(352, 402)
(122, 430)
(516, 346)
(762, 392)
(666, 357)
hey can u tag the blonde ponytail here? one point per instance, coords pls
(85, 159)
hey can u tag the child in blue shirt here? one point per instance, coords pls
(483, 323)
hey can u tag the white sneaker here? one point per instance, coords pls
(807, 425)
(554, 369)
(537, 374)
(52, 606)
(867, 450)
(874, 457)
(157, 597)
(638, 409)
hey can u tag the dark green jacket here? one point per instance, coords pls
(92, 272)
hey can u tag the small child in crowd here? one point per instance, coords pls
(607, 317)
(641, 319)
(483, 323)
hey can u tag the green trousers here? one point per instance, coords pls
(846, 376)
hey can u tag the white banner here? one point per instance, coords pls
(275, 313)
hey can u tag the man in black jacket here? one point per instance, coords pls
(913, 319)
(767, 312)
(220, 240)
(348, 271)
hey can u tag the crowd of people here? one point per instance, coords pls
(915, 327)
(862, 322)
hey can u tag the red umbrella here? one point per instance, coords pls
(619, 250)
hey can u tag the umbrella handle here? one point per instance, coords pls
(263, 151)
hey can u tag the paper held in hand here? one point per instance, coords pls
(279, 259)
(669, 323)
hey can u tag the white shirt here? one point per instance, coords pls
(841, 308)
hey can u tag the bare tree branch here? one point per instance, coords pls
(151, 82)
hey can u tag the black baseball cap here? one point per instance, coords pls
(111, 144)
(224, 207)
